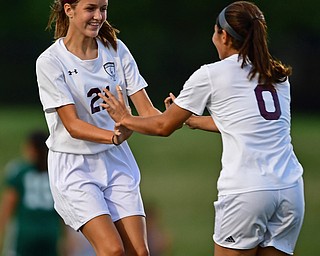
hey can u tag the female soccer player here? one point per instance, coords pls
(94, 180)
(260, 206)
(29, 225)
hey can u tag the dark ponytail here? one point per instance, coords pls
(248, 22)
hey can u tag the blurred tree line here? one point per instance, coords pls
(168, 39)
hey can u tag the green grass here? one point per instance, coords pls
(179, 175)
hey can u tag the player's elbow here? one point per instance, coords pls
(163, 134)
(164, 130)
(73, 133)
(73, 130)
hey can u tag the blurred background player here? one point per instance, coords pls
(26, 211)
(159, 239)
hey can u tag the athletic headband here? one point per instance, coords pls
(225, 25)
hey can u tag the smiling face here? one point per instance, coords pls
(87, 17)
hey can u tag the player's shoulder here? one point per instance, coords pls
(229, 61)
(119, 52)
(120, 43)
(51, 58)
(122, 48)
(222, 67)
(52, 51)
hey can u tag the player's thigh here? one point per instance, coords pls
(133, 232)
(103, 235)
(270, 251)
(258, 251)
(223, 251)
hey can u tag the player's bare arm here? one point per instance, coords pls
(80, 129)
(143, 104)
(205, 123)
(8, 205)
(161, 125)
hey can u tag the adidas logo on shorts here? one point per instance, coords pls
(230, 239)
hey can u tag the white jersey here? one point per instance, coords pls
(254, 125)
(64, 79)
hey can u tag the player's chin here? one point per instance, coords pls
(92, 31)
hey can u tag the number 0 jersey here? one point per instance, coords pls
(254, 122)
(65, 79)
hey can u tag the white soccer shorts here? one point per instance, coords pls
(260, 218)
(87, 186)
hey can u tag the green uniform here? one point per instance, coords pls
(37, 224)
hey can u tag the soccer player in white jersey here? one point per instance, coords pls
(260, 206)
(94, 180)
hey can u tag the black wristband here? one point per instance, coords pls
(114, 143)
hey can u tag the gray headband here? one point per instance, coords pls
(225, 25)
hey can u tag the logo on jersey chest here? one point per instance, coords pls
(110, 68)
(71, 72)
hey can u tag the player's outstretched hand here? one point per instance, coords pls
(116, 108)
(168, 101)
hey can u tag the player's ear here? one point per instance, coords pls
(225, 37)
(68, 10)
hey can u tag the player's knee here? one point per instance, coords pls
(117, 251)
(143, 252)
(138, 251)
(114, 250)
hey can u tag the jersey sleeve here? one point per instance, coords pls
(195, 93)
(53, 89)
(134, 80)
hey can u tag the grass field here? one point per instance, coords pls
(179, 176)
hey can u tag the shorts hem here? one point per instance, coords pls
(140, 213)
(79, 225)
(290, 252)
(235, 246)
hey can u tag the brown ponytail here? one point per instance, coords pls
(248, 22)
